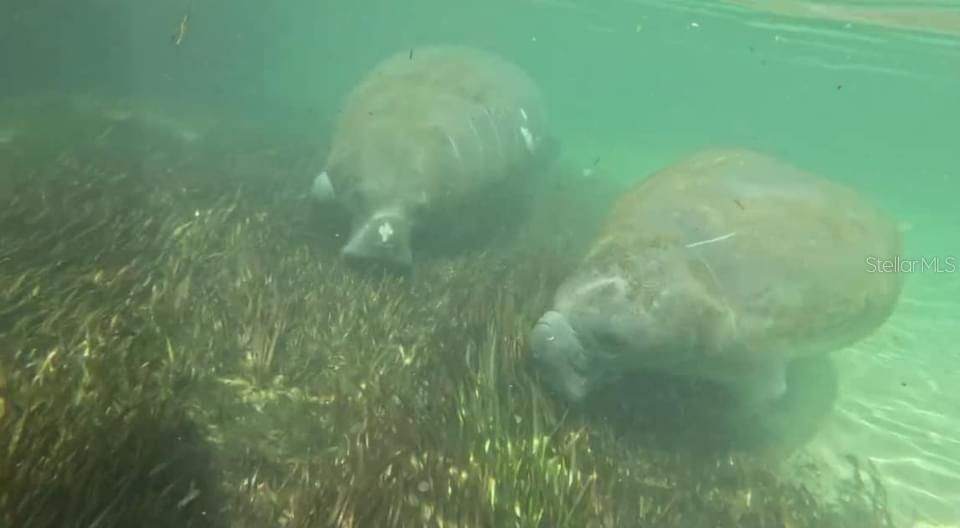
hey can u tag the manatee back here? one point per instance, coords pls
(436, 122)
(769, 260)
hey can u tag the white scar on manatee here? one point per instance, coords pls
(453, 146)
(525, 132)
(711, 241)
(713, 275)
(386, 231)
(527, 137)
(454, 149)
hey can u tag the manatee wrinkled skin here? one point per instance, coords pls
(725, 267)
(427, 132)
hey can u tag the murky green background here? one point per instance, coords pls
(634, 84)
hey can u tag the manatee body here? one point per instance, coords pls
(726, 266)
(421, 138)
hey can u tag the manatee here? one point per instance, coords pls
(726, 266)
(425, 135)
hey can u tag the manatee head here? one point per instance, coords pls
(379, 236)
(590, 338)
(377, 178)
(560, 356)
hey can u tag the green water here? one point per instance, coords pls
(633, 84)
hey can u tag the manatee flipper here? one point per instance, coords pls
(763, 387)
(795, 417)
(756, 397)
(322, 189)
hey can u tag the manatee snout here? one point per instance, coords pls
(382, 240)
(560, 357)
